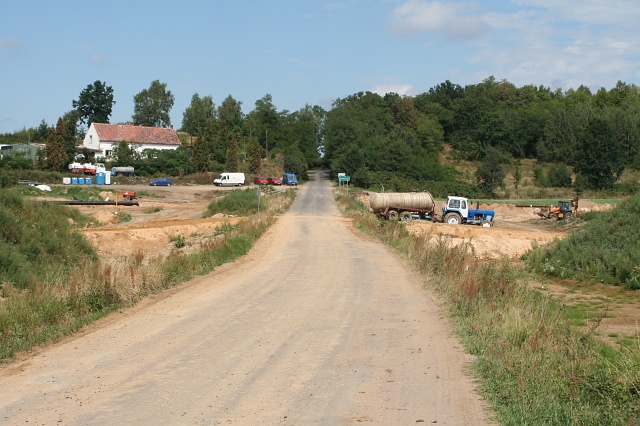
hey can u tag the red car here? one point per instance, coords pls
(274, 181)
(259, 180)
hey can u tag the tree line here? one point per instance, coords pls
(388, 141)
(395, 139)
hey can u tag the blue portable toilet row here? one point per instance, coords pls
(102, 178)
(81, 181)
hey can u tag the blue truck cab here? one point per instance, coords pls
(289, 179)
(457, 211)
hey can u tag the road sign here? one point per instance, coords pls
(344, 178)
(341, 174)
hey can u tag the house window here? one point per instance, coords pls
(108, 153)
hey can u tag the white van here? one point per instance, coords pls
(229, 179)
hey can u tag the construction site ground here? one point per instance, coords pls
(164, 212)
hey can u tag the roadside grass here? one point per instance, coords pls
(152, 210)
(40, 301)
(533, 367)
(149, 194)
(243, 202)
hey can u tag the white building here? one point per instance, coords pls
(102, 138)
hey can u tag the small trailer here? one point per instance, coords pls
(128, 195)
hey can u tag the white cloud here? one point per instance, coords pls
(556, 43)
(454, 20)
(10, 43)
(616, 12)
(400, 89)
(98, 58)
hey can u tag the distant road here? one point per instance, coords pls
(316, 325)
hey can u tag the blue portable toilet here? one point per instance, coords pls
(87, 181)
(74, 181)
(80, 181)
(100, 178)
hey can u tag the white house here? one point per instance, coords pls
(102, 138)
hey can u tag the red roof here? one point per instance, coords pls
(136, 134)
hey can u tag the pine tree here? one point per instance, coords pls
(231, 165)
(56, 149)
(201, 151)
(256, 157)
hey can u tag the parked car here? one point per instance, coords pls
(161, 182)
(259, 180)
(274, 181)
(289, 179)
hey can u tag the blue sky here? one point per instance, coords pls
(301, 52)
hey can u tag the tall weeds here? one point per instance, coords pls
(531, 366)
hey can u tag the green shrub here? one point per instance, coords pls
(606, 249)
(239, 202)
(558, 176)
(36, 240)
(177, 240)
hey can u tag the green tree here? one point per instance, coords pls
(304, 129)
(294, 162)
(230, 124)
(42, 132)
(200, 155)
(95, 103)
(490, 175)
(203, 147)
(123, 155)
(517, 173)
(153, 105)
(558, 176)
(198, 114)
(600, 159)
(255, 160)
(71, 134)
(267, 124)
(57, 157)
(231, 165)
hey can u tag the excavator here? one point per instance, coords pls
(562, 210)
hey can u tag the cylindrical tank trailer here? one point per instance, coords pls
(402, 205)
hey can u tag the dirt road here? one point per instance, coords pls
(316, 325)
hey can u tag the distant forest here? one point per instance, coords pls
(396, 141)
(376, 139)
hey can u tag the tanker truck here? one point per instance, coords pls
(403, 205)
(420, 205)
(122, 171)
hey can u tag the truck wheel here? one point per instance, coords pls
(405, 216)
(486, 224)
(452, 219)
(392, 215)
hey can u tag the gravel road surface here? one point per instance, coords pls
(316, 325)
